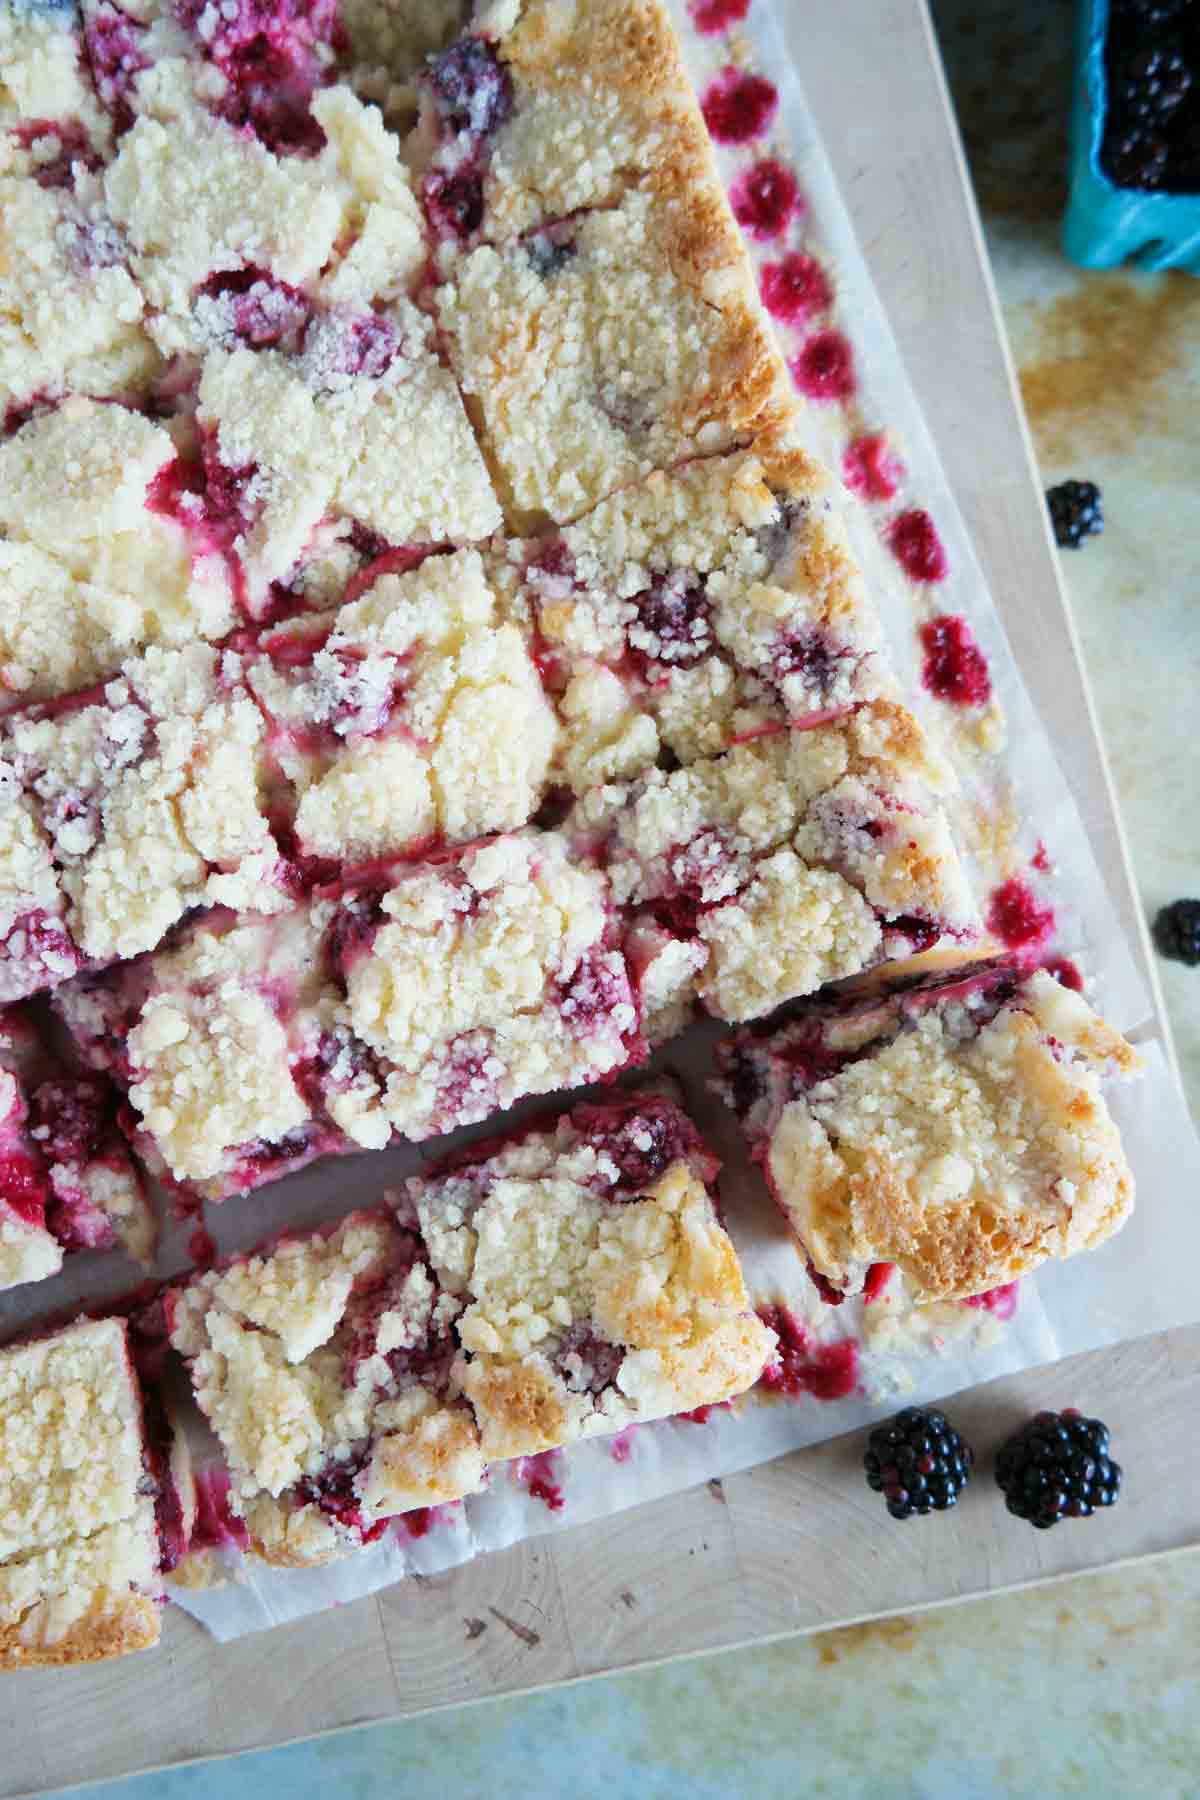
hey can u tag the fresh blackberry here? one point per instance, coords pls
(1177, 932)
(1149, 85)
(918, 1462)
(1136, 158)
(1057, 1467)
(1150, 12)
(1075, 512)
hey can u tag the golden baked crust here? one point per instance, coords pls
(959, 1130)
(114, 1625)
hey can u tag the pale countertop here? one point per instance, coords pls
(1088, 1687)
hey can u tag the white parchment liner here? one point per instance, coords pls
(1140, 1282)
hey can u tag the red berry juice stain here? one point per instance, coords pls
(201, 1248)
(536, 1473)
(700, 1415)
(620, 1447)
(824, 369)
(878, 1277)
(216, 1526)
(955, 668)
(826, 1371)
(712, 16)
(738, 107)
(917, 547)
(418, 1522)
(870, 469)
(1065, 971)
(795, 288)
(1001, 1302)
(765, 198)
(1040, 860)
(1015, 917)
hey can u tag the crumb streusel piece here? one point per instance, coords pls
(555, 1285)
(958, 1129)
(79, 1549)
(797, 859)
(414, 714)
(422, 998)
(695, 610)
(66, 1178)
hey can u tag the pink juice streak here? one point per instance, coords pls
(914, 542)
(713, 16)
(620, 1447)
(1015, 917)
(878, 1277)
(764, 198)
(870, 468)
(700, 1415)
(738, 107)
(1001, 1302)
(421, 1520)
(824, 368)
(537, 1475)
(955, 668)
(216, 1527)
(1065, 971)
(795, 288)
(1040, 860)
(799, 1366)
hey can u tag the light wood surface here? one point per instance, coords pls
(800, 1543)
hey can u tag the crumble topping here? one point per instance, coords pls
(622, 359)
(959, 1131)
(76, 1528)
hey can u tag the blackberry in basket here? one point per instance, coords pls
(1076, 512)
(918, 1462)
(1057, 1467)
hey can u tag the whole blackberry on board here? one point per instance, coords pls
(1057, 1467)
(918, 1462)
(1177, 932)
(1076, 512)
(1149, 85)
(1150, 12)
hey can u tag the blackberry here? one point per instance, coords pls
(1057, 1467)
(1075, 512)
(1136, 159)
(918, 1462)
(1150, 12)
(1177, 932)
(1149, 86)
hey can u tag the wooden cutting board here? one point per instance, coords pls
(797, 1544)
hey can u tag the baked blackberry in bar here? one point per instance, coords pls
(797, 859)
(422, 998)
(558, 1284)
(67, 1181)
(80, 1552)
(697, 609)
(958, 1129)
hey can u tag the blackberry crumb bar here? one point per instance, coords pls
(424, 998)
(958, 1129)
(551, 1286)
(79, 1546)
(67, 1181)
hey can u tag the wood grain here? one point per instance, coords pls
(794, 1545)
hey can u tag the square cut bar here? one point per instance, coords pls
(560, 1284)
(800, 858)
(415, 715)
(79, 1549)
(67, 1181)
(695, 610)
(423, 998)
(958, 1130)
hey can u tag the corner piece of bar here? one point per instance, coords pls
(957, 1129)
(564, 1282)
(79, 1546)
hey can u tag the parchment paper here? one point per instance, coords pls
(1139, 1283)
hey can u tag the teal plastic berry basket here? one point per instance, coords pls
(1105, 224)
